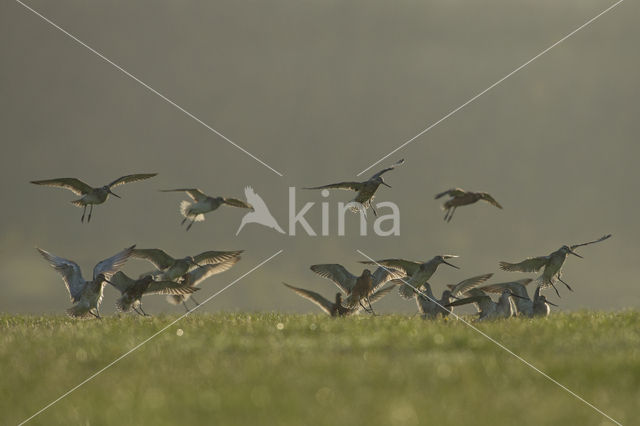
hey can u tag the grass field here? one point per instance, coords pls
(309, 369)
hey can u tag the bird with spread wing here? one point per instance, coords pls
(460, 197)
(169, 268)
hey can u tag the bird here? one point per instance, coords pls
(132, 290)
(171, 269)
(524, 304)
(418, 272)
(86, 296)
(203, 204)
(260, 213)
(91, 195)
(194, 278)
(356, 288)
(336, 309)
(460, 197)
(487, 308)
(551, 263)
(366, 190)
(430, 307)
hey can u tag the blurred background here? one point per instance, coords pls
(320, 90)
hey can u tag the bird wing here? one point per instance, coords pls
(131, 178)
(121, 281)
(383, 275)
(408, 266)
(490, 200)
(170, 287)
(338, 274)
(74, 185)
(159, 258)
(379, 294)
(531, 264)
(473, 299)
(70, 271)
(516, 287)
(575, 246)
(464, 286)
(453, 192)
(383, 171)
(236, 203)
(198, 275)
(195, 194)
(314, 297)
(109, 266)
(353, 186)
(210, 257)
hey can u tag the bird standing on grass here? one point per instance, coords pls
(430, 307)
(487, 308)
(523, 303)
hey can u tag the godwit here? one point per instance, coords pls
(460, 197)
(487, 308)
(336, 309)
(356, 288)
(172, 269)
(524, 304)
(203, 204)
(366, 190)
(90, 195)
(552, 264)
(418, 272)
(198, 275)
(430, 307)
(86, 296)
(541, 304)
(132, 290)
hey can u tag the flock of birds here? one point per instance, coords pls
(178, 278)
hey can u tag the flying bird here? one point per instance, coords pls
(539, 306)
(202, 204)
(366, 190)
(460, 197)
(260, 213)
(91, 195)
(552, 264)
(86, 296)
(132, 290)
(170, 268)
(430, 307)
(418, 272)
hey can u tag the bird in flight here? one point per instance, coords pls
(460, 197)
(91, 195)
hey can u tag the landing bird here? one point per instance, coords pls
(202, 204)
(336, 309)
(171, 269)
(430, 307)
(487, 308)
(260, 213)
(460, 197)
(132, 290)
(418, 272)
(86, 296)
(524, 304)
(90, 195)
(552, 264)
(194, 278)
(366, 190)
(356, 288)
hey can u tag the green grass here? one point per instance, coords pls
(388, 370)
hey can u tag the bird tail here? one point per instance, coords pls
(406, 292)
(176, 299)
(122, 305)
(79, 311)
(78, 202)
(185, 210)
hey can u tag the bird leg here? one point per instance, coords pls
(446, 213)
(83, 213)
(555, 288)
(184, 220)
(143, 312)
(137, 311)
(369, 302)
(90, 211)
(375, 213)
(191, 224)
(185, 306)
(562, 281)
(451, 214)
(195, 301)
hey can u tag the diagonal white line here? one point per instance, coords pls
(500, 345)
(493, 85)
(128, 74)
(138, 346)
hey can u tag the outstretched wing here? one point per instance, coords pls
(209, 257)
(453, 192)
(159, 258)
(198, 275)
(464, 286)
(531, 264)
(409, 267)
(575, 246)
(131, 178)
(74, 185)
(380, 293)
(236, 203)
(109, 266)
(381, 276)
(383, 171)
(490, 199)
(338, 274)
(473, 299)
(169, 287)
(121, 281)
(195, 194)
(353, 186)
(516, 287)
(314, 297)
(70, 271)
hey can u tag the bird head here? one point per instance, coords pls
(106, 188)
(381, 181)
(192, 261)
(443, 259)
(567, 250)
(147, 279)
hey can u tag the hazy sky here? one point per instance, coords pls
(320, 90)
